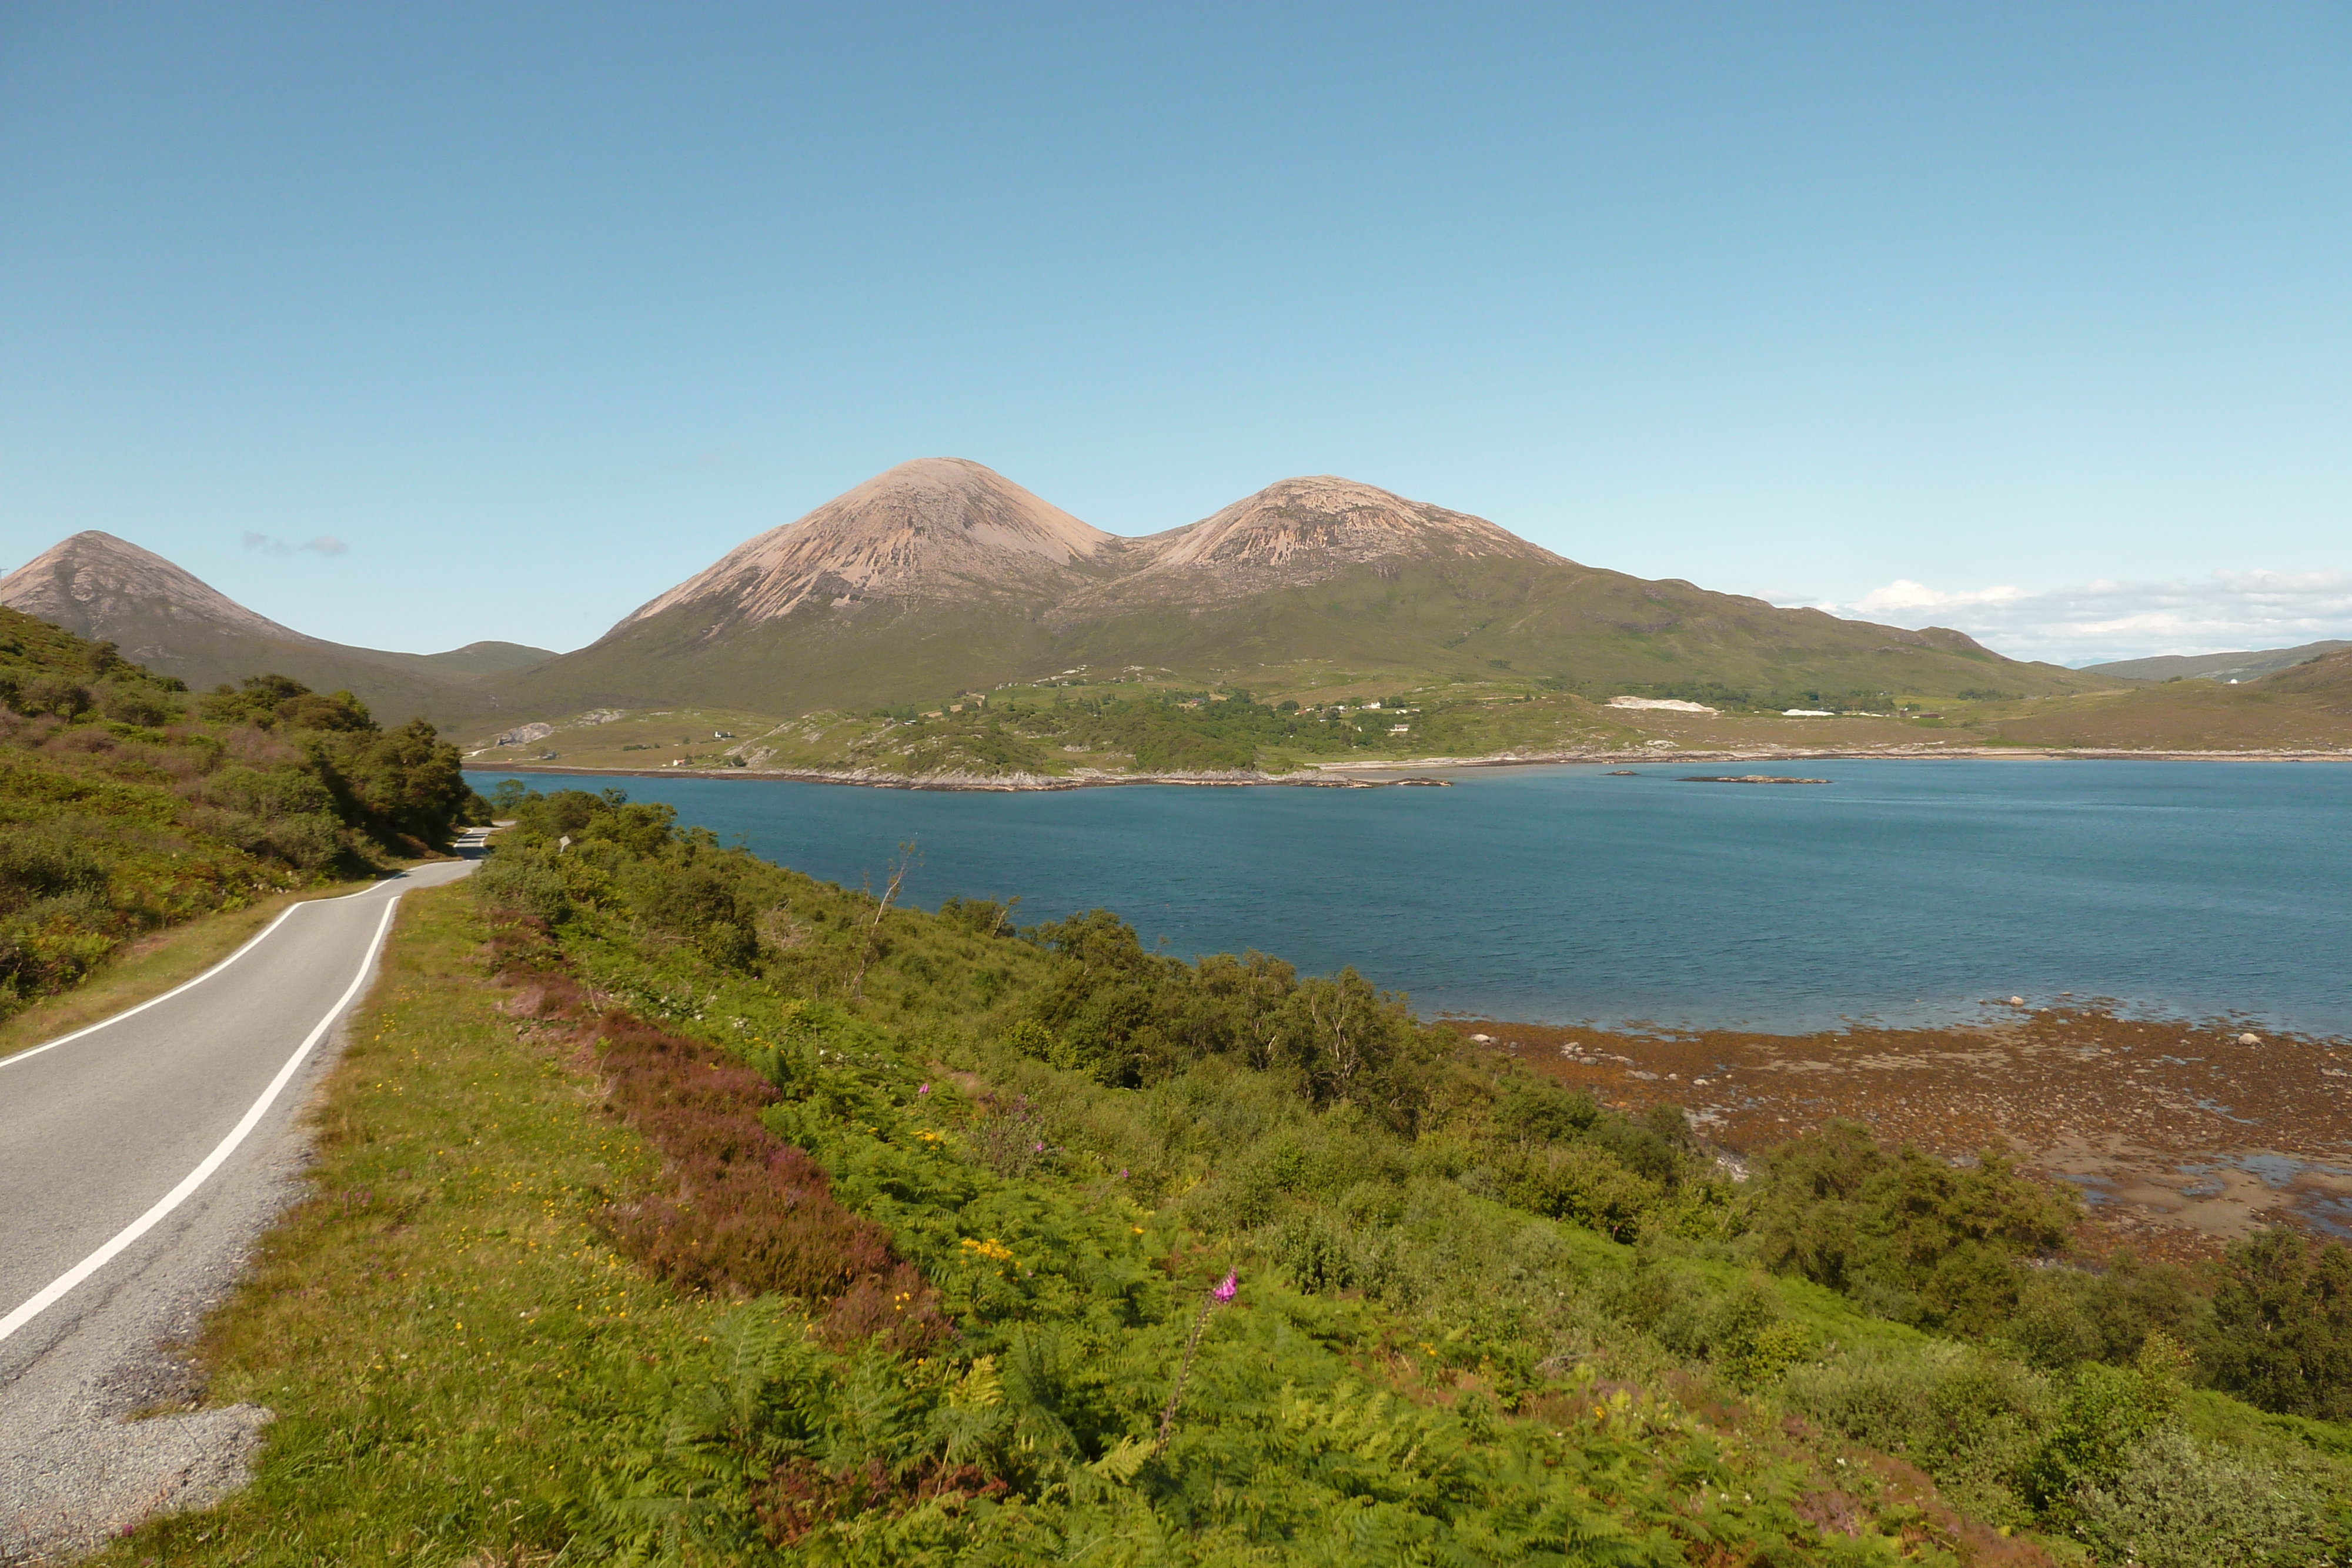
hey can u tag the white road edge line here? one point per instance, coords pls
(213, 1162)
(283, 916)
(156, 1001)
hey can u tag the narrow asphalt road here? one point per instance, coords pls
(139, 1161)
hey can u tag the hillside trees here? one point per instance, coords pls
(406, 784)
(1129, 1018)
(1914, 1238)
(121, 810)
(2282, 1329)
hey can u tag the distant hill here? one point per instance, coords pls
(941, 576)
(2326, 681)
(2214, 666)
(163, 617)
(475, 659)
(2307, 705)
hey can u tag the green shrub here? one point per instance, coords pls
(2067, 1315)
(2104, 1411)
(1907, 1235)
(1531, 1110)
(138, 705)
(516, 880)
(2175, 1503)
(47, 861)
(279, 792)
(67, 698)
(1314, 1254)
(1971, 1419)
(1744, 1331)
(1034, 1040)
(2281, 1326)
(1579, 1183)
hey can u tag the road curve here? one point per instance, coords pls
(139, 1160)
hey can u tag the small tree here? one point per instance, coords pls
(2282, 1333)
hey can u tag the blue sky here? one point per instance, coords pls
(1972, 314)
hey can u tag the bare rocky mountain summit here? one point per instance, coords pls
(947, 528)
(101, 587)
(1292, 534)
(937, 528)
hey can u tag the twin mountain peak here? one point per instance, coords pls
(941, 575)
(947, 528)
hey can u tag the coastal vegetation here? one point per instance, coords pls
(1151, 722)
(675, 1207)
(132, 804)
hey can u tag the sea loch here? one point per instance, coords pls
(1899, 891)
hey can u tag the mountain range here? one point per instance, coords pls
(941, 577)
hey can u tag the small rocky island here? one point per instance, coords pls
(1746, 779)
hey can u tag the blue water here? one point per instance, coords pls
(1901, 892)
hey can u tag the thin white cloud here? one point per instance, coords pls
(2225, 612)
(1903, 595)
(325, 544)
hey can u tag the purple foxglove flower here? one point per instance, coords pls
(1227, 1289)
(923, 1088)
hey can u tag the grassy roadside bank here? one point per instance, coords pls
(438, 1327)
(146, 968)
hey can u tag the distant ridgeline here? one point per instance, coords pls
(128, 804)
(103, 588)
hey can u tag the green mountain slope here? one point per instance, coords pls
(877, 655)
(488, 658)
(1480, 619)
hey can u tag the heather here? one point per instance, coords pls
(130, 804)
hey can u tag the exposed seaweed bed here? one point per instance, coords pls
(2181, 1135)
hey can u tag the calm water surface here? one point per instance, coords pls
(1901, 891)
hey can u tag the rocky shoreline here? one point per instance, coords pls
(1930, 753)
(2183, 1134)
(979, 783)
(1402, 771)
